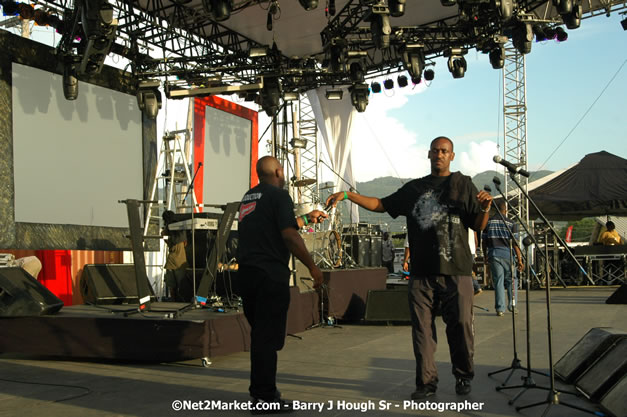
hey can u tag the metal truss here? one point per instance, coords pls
(308, 130)
(180, 43)
(515, 128)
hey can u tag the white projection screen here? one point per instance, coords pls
(225, 142)
(73, 160)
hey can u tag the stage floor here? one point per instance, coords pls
(358, 364)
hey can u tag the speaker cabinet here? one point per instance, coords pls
(614, 402)
(110, 284)
(387, 305)
(619, 296)
(376, 251)
(591, 346)
(23, 295)
(358, 248)
(605, 372)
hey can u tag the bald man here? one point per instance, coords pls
(440, 208)
(268, 232)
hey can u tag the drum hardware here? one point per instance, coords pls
(304, 182)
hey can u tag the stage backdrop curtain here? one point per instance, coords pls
(334, 119)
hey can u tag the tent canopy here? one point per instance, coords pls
(596, 186)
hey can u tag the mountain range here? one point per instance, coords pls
(383, 186)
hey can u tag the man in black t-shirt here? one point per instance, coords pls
(439, 209)
(268, 232)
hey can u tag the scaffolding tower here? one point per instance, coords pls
(515, 128)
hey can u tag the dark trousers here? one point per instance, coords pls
(455, 296)
(265, 306)
(389, 265)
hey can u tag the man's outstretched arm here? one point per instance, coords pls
(369, 203)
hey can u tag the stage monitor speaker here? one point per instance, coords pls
(605, 372)
(614, 402)
(110, 284)
(23, 295)
(590, 347)
(387, 305)
(619, 296)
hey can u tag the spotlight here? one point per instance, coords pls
(457, 66)
(258, 52)
(26, 11)
(221, 9)
(375, 87)
(561, 34)
(99, 27)
(40, 17)
(563, 6)
(397, 7)
(273, 10)
(413, 60)
(331, 8)
(149, 98)
(497, 57)
(522, 37)
(506, 8)
(290, 96)
(70, 82)
(359, 96)
(402, 82)
(418, 79)
(623, 23)
(271, 95)
(338, 49)
(429, 75)
(357, 72)
(298, 143)
(573, 19)
(550, 33)
(538, 30)
(388, 84)
(9, 8)
(308, 4)
(334, 94)
(381, 30)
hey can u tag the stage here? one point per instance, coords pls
(355, 363)
(171, 332)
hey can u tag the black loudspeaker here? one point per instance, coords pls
(23, 295)
(110, 284)
(358, 247)
(605, 372)
(591, 346)
(619, 296)
(376, 251)
(614, 402)
(387, 305)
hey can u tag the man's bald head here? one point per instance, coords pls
(443, 138)
(270, 171)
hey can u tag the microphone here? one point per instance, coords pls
(487, 188)
(496, 181)
(510, 167)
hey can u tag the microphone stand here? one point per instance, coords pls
(528, 381)
(553, 395)
(194, 303)
(350, 187)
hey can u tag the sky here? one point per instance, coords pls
(575, 91)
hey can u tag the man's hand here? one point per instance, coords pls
(317, 216)
(485, 200)
(316, 274)
(406, 266)
(334, 199)
(520, 265)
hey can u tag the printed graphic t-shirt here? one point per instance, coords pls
(265, 211)
(439, 211)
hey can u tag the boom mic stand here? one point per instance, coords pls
(553, 395)
(516, 364)
(528, 381)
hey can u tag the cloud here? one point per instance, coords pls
(477, 158)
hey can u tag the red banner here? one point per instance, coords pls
(569, 233)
